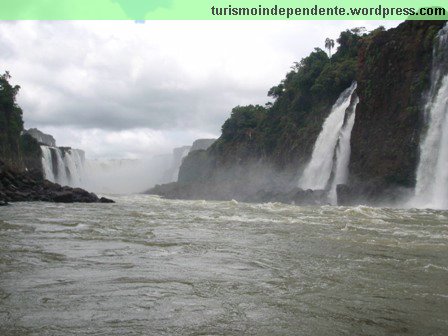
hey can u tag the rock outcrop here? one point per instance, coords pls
(393, 77)
(201, 144)
(21, 170)
(41, 137)
(178, 155)
(29, 186)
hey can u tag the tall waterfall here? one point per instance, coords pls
(63, 165)
(431, 188)
(343, 150)
(317, 174)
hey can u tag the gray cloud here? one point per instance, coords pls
(164, 76)
(73, 77)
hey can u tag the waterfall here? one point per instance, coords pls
(63, 165)
(343, 151)
(47, 163)
(74, 163)
(61, 176)
(318, 172)
(177, 162)
(431, 188)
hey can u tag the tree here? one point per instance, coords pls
(329, 44)
(359, 30)
(276, 91)
(243, 122)
(11, 122)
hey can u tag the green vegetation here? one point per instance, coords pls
(13, 145)
(243, 122)
(288, 127)
(11, 123)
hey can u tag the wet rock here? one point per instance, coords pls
(376, 194)
(63, 197)
(27, 187)
(105, 200)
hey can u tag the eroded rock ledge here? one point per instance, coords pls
(30, 186)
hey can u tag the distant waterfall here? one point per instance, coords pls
(74, 166)
(185, 151)
(47, 163)
(318, 172)
(61, 173)
(63, 165)
(431, 188)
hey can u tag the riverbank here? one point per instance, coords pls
(29, 186)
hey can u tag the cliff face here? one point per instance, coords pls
(266, 148)
(202, 144)
(21, 171)
(171, 174)
(393, 76)
(41, 137)
(17, 151)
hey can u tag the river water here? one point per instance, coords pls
(148, 266)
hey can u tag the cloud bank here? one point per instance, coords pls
(121, 89)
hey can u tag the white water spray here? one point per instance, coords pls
(61, 176)
(47, 163)
(317, 174)
(432, 174)
(63, 166)
(179, 163)
(343, 152)
(74, 162)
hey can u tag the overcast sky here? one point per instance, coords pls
(127, 90)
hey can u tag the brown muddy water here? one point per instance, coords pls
(148, 266)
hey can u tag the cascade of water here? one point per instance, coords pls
(318, 171)
(61, 177)
(74, 165)
(343, 151)
(176, 171)
(63, 166)
(78, 157)
(431, 188)
(47, 163)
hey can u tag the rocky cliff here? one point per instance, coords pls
(202, 144)
(171, 174)
(21, 170)
(393, 77)
(263, 149)
(41, 137)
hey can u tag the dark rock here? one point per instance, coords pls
(377, 194)
(63, 197)
(294, 196)
(393, 75)
(106, 200)
(201, 144)
(42, 138)
(26, 186)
